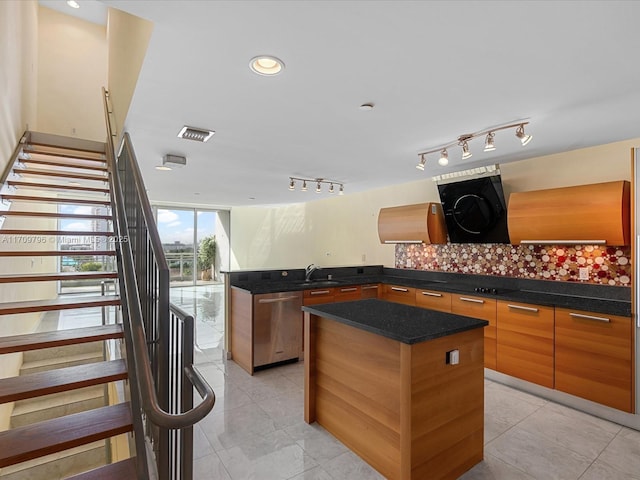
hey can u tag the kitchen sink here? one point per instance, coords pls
(319, 283)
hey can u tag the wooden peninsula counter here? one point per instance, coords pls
(380, 377)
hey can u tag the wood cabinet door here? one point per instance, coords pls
(344, 294)
(484, 309)
(594, 357)
(369, 291)
(440, 301)
(525, 341)
(398, 294)
(317, 296)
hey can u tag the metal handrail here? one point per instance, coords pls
(24, 139)
(132, 306)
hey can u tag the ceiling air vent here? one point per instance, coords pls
(174, 161)
(196, 134)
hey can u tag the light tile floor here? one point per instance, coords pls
(256, 431)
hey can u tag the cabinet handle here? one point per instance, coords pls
(398, 289)
(369, 287)
(520, 307)
(348, 289)
(319, 292)
(590, 317)
(276, 300)
(472, 300)
(431, 294)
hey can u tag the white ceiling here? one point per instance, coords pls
(433, 69)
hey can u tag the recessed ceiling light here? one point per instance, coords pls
(266, 65)
(366, 107)
(73, 4)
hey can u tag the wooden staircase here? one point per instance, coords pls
(58, 398)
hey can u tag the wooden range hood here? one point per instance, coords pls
(589, 214)
(419, 223)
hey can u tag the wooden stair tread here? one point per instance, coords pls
(59, 338)
(51, 436)
(9, 231)
(52, 163)
(58, 173)
(18, 183)
(47, 277)
(8, 308)
(18, 213)
(70, 201)
(125, 469)
(59, 380)
(60, 152)
(55, 253)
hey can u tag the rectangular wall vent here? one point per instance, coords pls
(195, 134)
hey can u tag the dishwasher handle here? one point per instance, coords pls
(277, 300)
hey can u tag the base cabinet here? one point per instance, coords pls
(433, 300)
(399, 294)
(594, 355)
(524, 345)
(484, 309)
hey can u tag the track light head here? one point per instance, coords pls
(420, 165)
(488, 143)
(318, 188)
(292, 184)
(341, 191)
(465, 151)
(304, 186)
(524, 138)
(444, 157)
(331, 190)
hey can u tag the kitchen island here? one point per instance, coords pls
(401, 386)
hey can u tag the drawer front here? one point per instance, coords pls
(317, 296)
(344, 294)
(433, 300)
(399, 294)
(594, 357)
(369, 291)
(525, 342)
(484, 309)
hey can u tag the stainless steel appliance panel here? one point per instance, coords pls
(277, 327)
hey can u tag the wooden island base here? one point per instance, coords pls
(399, 406)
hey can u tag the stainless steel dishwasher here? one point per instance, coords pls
(277, 327)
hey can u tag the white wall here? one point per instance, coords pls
(72, 69)
(346, 227)
(128, 38)
(18, 89)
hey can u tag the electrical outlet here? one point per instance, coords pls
(583, 273)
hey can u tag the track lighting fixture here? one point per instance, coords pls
(463, 142)
(319, 181)
(524, 138)
(444, 157)
(488, 143)
(465, 150)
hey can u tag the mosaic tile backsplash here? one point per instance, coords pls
(607, 265)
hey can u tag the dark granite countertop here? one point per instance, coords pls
(400, 322)
(592, 298)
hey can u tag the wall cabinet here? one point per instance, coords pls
(525, 341)
(485, 309)
(594, 355)
(584, 213)
(399, 294)
(420, 223)
(433, 300)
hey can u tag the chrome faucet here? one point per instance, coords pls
(309, 271)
